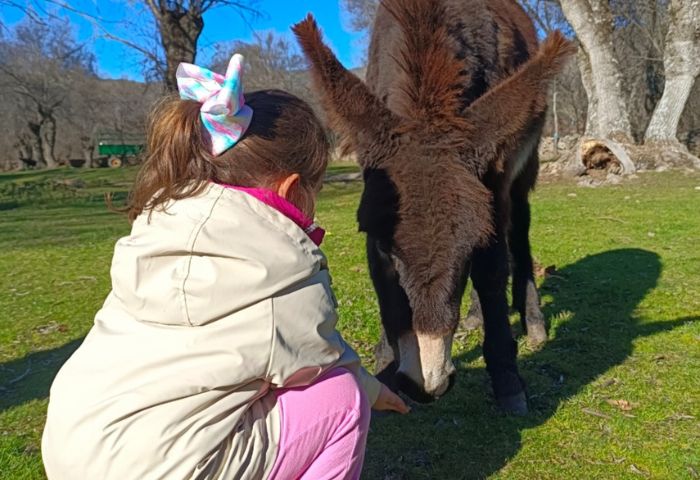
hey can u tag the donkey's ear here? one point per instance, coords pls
(354, 112)
(506, 111)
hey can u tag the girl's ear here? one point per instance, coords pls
(288, 185)
(353, 111)
(291, 189)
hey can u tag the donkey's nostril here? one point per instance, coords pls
(438, 382)
(446, 386)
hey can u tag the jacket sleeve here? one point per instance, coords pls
(305, 343)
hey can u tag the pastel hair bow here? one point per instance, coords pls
(224, 112)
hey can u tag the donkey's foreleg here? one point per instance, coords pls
(384, 356)
(525, 297)
(394, 309)
(475, 318)
(490, 277)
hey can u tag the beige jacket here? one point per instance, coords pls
(214, 303)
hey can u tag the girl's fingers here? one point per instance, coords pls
(399, 405)
(388, 400)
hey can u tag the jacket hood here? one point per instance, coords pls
(206, 257)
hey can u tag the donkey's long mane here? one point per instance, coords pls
(430, 86)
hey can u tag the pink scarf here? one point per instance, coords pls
(286, 208)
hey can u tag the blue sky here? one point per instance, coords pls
(115, 60)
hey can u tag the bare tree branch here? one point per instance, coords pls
(178, 23)
(155, 9)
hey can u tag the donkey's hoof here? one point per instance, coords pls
(472, 322)
(383, 355)
(514, 404)
(536, 334)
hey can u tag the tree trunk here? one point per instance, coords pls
(608, 111)
(88, 147)
(35, 143)
(584, 65)
(681, 66)
(179, 33)
(653, 73)
(555, 115)
(24, 151)
(48, 139)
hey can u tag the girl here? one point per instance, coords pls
(215, 355)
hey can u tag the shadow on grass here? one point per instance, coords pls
(464, 436)
(30, 378)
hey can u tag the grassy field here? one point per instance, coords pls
(615, 393)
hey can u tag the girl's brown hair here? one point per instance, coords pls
(285, 137)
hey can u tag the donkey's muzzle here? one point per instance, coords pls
(425, 369)
(417, 393)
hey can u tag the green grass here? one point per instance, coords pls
(623, 305)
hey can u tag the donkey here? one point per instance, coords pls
(446, 131)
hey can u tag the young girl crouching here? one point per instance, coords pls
(215, 355)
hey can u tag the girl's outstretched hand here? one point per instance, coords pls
(388, 400)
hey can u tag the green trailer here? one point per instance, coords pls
(115, 151)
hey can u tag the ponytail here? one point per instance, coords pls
(285, 137)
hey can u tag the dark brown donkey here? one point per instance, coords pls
(446, 130)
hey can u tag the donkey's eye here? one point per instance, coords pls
(397, 262)
(384, 247)
(377, 213)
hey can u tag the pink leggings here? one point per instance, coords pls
(324, 429)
